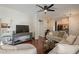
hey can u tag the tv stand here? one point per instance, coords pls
(21, 37)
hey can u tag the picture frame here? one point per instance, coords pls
(4, 25)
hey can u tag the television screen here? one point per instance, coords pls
(22, 28)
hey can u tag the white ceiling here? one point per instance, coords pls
(60, 9)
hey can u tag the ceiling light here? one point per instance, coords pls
(45, 11)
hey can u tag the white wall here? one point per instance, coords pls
(74, 25)
(15, 16)
(47, 23)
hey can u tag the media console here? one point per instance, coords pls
(21, 37)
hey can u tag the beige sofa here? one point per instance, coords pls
(56, 36)
(53, 37)
(18, 49)
(67, 46)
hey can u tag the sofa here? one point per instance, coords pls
(70, 45)
(54, 37)
(18, 49)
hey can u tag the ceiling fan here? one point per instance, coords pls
(45, 8)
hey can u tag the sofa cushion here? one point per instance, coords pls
(65, 49)
(61, 34)
(71, 39)
(77, 41)
(64, 42)
(21, 49)
(55, 35)
(25, 46)
(8, 47)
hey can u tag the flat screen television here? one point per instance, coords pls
(22, 28)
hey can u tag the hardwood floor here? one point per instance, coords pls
(39, 44)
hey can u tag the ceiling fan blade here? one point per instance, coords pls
(40, 6)
(51, 5)
(50, 10)
(40, 10)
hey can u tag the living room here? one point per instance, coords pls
(32, 19)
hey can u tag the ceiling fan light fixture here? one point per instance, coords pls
(45, 11)
(46, 8)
